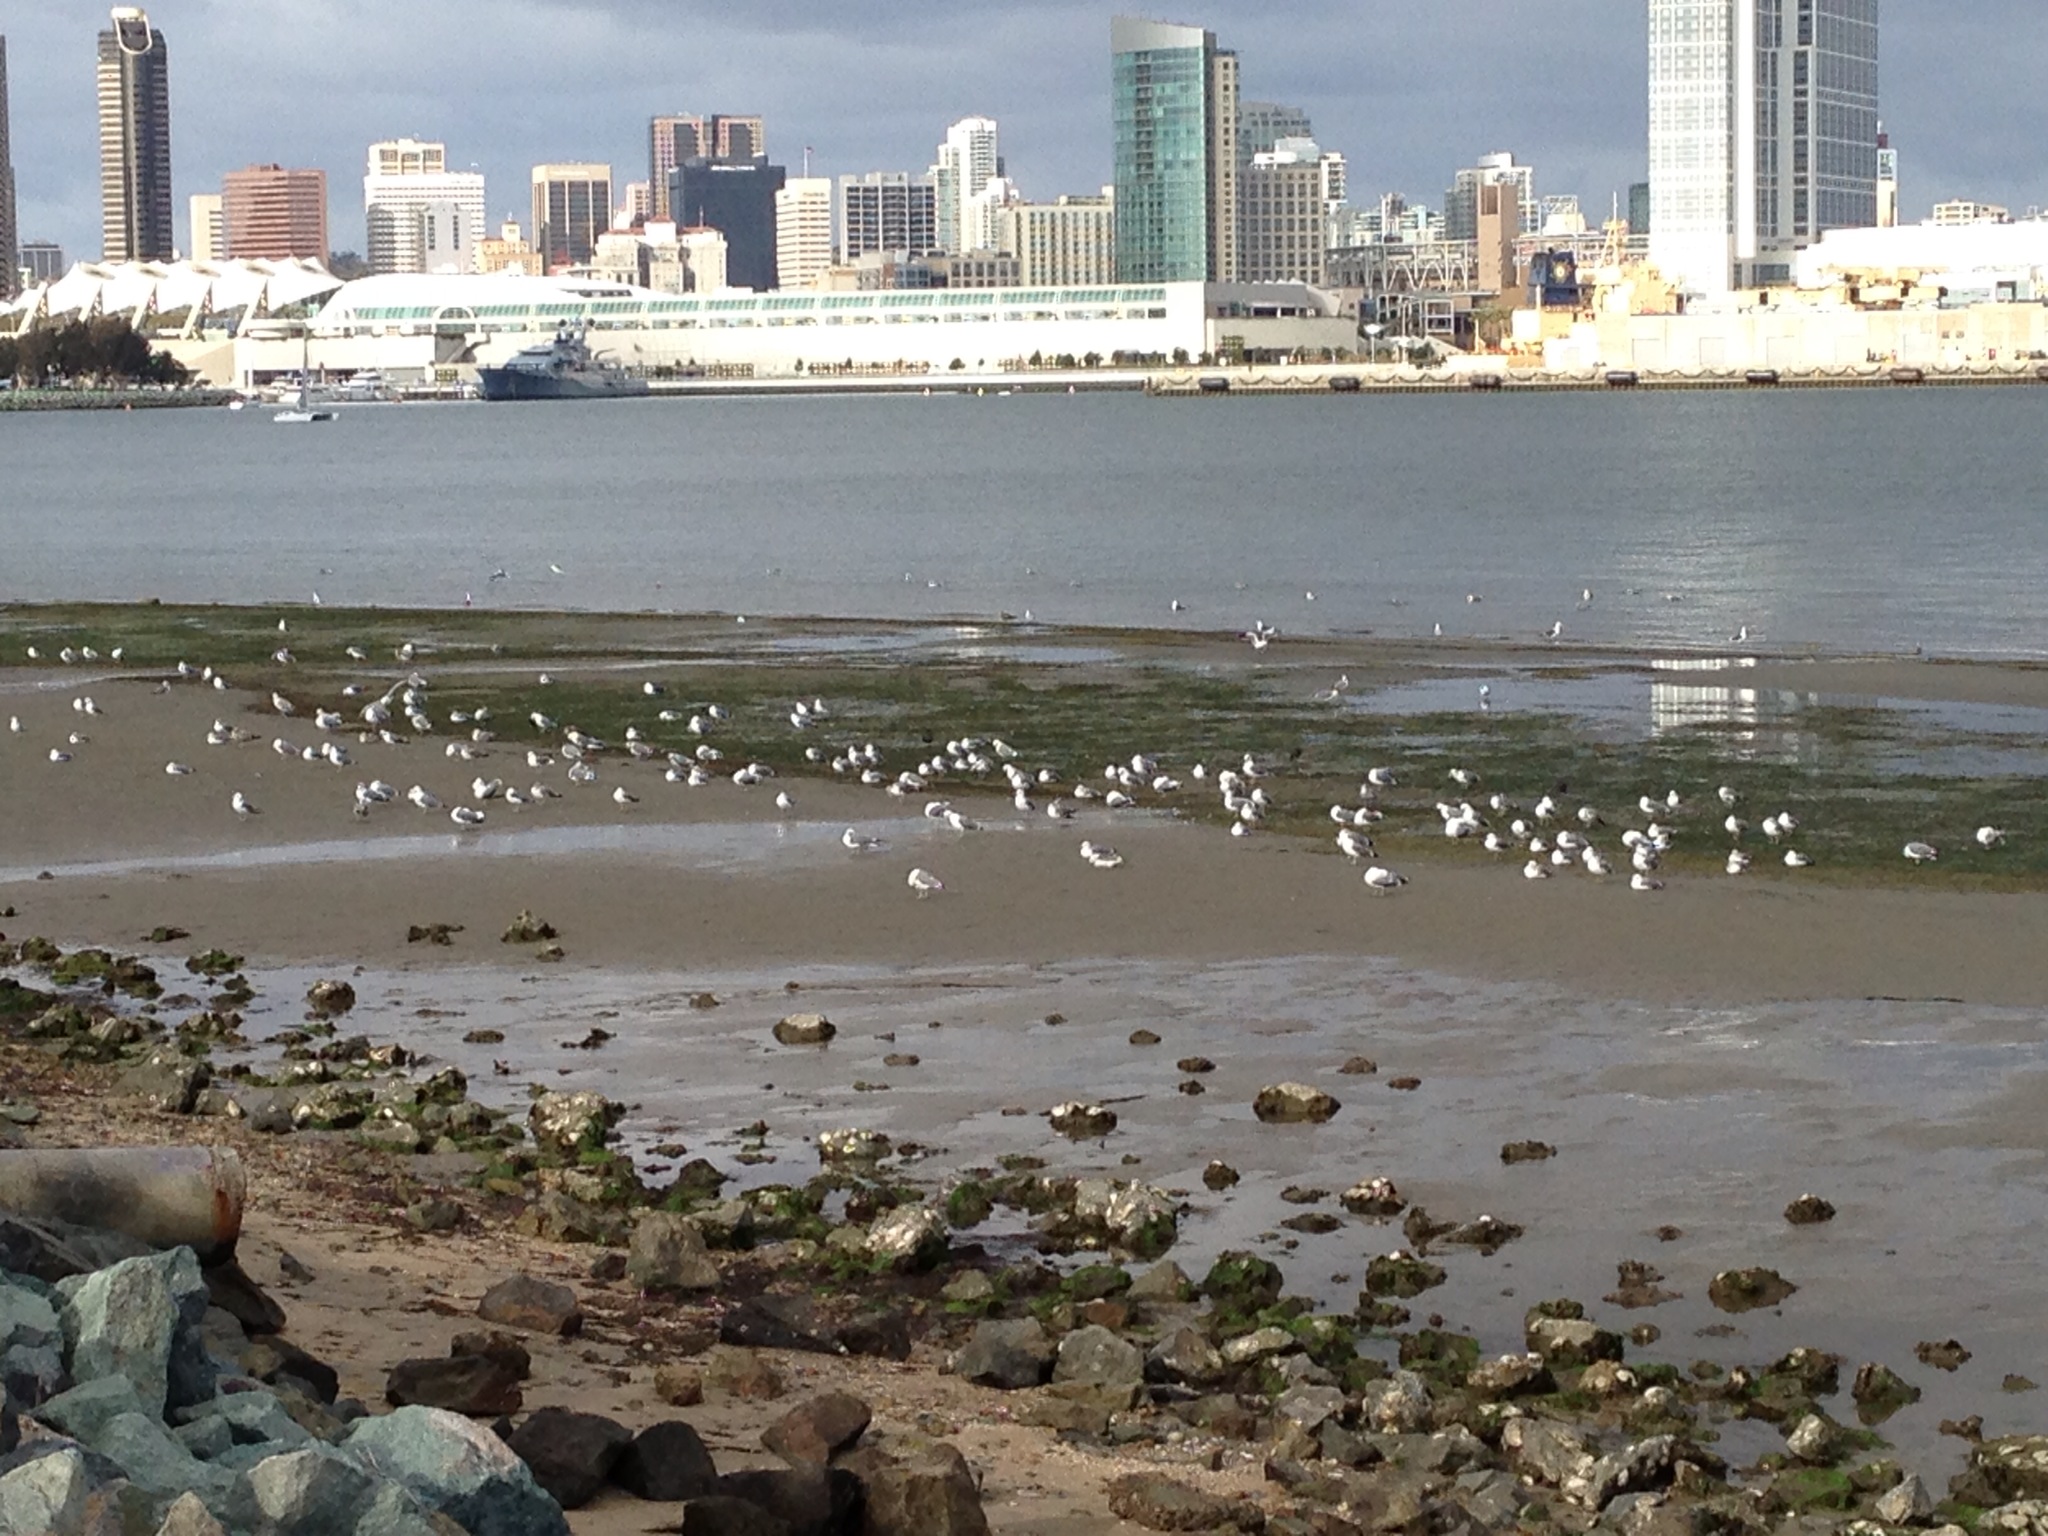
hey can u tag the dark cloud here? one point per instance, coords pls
(1408, 91)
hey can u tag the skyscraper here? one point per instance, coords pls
(1175, 111)
(1263, 124)
(887, 211)
(1288, 192)
(10, 260)
(1461, 198)
(803, 231)
(968, 161)
(677, 137)
(209, 227)
(572, 206)
(272, 213)
(1763, 133)
(419, 215)
(736, 196)
(135, 140)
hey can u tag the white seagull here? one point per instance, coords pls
(242, 805)
(924, 882)
(1642, 882)
(1921, 853)
(1794, 859)
(466, 817)
(1382, 880)
(1990, 837)
(177, 770)
(858, 843)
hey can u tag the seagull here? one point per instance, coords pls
(59, 755)
(1380, 778)
(622, 799)
(1353, 846)
(1383, 880)
(1738, 861)
(242, 805)
(1728, 796)
(783, 802)
(176, 770)
(1101, 856)
(1642, 882)
(282, 705)
(1735, 825)
(924, 882)
(1990, 837)
(858, 843)
(1555, 632)
(465, 816)
(1535, 869)
(1794, 859)
(1921, 853)
(421, 798)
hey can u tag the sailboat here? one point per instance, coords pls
(303, 412)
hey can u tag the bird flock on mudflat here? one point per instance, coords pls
(1548, 838)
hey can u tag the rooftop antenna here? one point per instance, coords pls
(807, 162)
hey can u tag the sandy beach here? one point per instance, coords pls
(1697, 1055)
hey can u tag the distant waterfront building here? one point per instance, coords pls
(1763, 134)
(1461, 201)
(1887, 181)
(419, 216)
(1963, 211)
(272, 213)
(736, 197)
(803, 231)
(968, 161)
(1287, 195)
(1070, 243)
(887, 211)
(707, 259)
(1261, 125)
(1639, 208)
(10, 235)
(1174, 108)
(209, 227)
(135, 140)
(572, 206)
(42, 261)
(508, 251)
(677, 137)
(637, 204)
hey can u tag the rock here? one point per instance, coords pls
(1309, 1407)
(571, 1455)
(719, 1515)
(1809, 1211)
(231, 1289)
(1161, 1504)
(1220, 1176)
(1815, 1439)
(566, 1124)
(1638, 1286)
(1398, 1404)
(1144, 1037)
(187, 1516)
(1510, 1376)
(1909, 1503)
(1257, 1345)
(1164, 1284)
(853, 1146)
(1194, 1065)
(666, 1463)
(85, 1410)
(2002, 1470)
(150, 1457)
(1946, 1356)
(557, 1217)
(1527, 1152)
(1098, 1357)
(1570, 1342)
(167, 1080)
(1185, 1356)
(1401, 1275)
(1009, 1356)
(1293, 1104)
(909, 1239)
(1242, 1282)
(1645, 1465)
(538, 1306)
(1549, 1452)
(143, 1319)
(457, 1469)
(330, 999)
(1082, 1122)
(46, 1495)
(1373, 1197)
(680, 1386)
(930, 1492)
(433, 1215)
(476, 1386)
(1359, 1066)
(1879, 1392)
(668, 1256)
(316, 1490)
(806, 1029)
(1746, 1290)
(743, 1374)
(528, 929)
(813, 1501)
(814, 1432)
(391, 1135)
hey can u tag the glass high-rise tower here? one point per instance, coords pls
(9, 259)
(1174, 98)
(135, 140)
(1763, 133)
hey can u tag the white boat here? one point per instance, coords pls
(302, 412)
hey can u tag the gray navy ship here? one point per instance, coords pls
(562, 369)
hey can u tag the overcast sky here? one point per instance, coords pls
(1408, 91)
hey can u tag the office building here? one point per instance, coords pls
(135, 140)
(1263, 124)
(678, 137)
(1763, 134)
(1070, 243)
(1963, 210)
(1639, 208)
(736, 197)
(803, 231)
(1461, 200)
(10, 235)
(1175, 114)
(636, 205)
(1287, 194)
(572, 206)
(209, 227)
(1887, 182)
(508, 251)
(887, 211)
(968, 161)
(272, 213)
(981, 216)
(419, 215)
(706, 260)
(42, 261)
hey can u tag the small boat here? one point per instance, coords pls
(302, 413)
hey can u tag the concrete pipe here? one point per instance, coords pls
(168, 1197)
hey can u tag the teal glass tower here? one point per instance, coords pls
(1174, 98)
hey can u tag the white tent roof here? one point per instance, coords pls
(120, 287)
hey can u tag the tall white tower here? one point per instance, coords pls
(968, 161)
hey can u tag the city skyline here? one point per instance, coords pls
(305, 82)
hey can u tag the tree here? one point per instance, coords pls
(103, 351)
(1180, 357)
(348, 266)
(1092, 360)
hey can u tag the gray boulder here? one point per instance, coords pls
(668, 1255)
(565, 1124)
(912, 1237)
(315, 1491)
(930, 1493)
(1398, 1405)
(458, 1469)
(394, 1512)
(571, 1454)
(1010, 1356)
(1909, 1503)
(1097, 1357)
(85, 1410)
(154, 1459)
(143, 1319)
(168, 1080)
(189, 1516)
(46, 1495)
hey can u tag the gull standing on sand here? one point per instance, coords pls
(466, 817)
(1101, 856)
(1380, 880)
(858, 843)
(924, 882)
(242, 805)
(1642, 882)
(177, 770)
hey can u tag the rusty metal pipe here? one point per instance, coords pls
(168, 1197)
